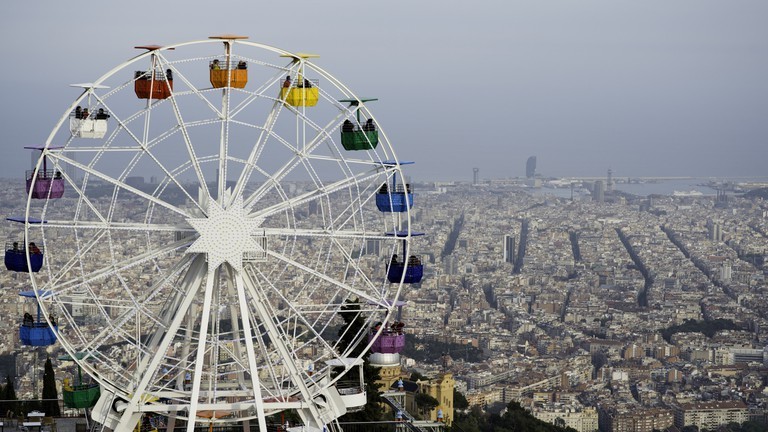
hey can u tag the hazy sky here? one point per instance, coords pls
(645, 87)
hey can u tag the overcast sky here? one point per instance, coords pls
(645, 87)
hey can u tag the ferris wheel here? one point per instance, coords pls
(212, 213)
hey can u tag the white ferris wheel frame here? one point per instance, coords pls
(194, 267)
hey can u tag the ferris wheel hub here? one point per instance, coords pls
(225, 234)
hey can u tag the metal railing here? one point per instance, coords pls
(44, 174)
(399, 188)
(304, 83)
(159, 75)
(20, 248)
(95, 115)
(218, 64)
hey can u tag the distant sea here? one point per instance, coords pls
(659, 187)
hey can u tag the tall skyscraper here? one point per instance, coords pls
(509, 249)
(598, 192)
(714, 230)
(475, 176)
(530, 167)
(610, 180)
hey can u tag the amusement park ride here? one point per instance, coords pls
(214, 292)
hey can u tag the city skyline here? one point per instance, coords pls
(593, 313)
(656, 89)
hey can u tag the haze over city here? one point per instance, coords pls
(546, 216)
(648, 88)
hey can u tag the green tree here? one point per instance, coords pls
(415, 376)
(467, 423)
(50, 403)
(352, 327)
(518, 418)
(754, 426)
(9, 395)
(354, 320)
(425, 403)
(459, 401)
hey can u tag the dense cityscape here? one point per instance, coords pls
(603, 310)
(568, 302)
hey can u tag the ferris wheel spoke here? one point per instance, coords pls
(66, 267)
(82, 198)
(202, 347)
(308, 270)
(242, 308)
(321, 192)
(264, 134)
(146, 148)
(118, 226)
(278, 339)
(250, 350)
(184, 131)
(124, 186)
(259, 92)
(189, 84)
(324, 233)
(91, 343)
(286, 168)
(235, 352)
(352, 263)
(353, 207)
(298, 315)
(144, 145)
(171, 307)
(161, 341)
(63, 286)
(335, 236)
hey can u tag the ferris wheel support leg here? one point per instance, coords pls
(192, 282)
(245, 314)
(234, 310)
(175, 307)
(201, 346)
(278, 340)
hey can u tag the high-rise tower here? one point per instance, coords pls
(598, 192)
(475, 176)
(610, 180)
(530, 167)
(509, 249)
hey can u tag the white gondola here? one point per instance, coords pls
(86, 124)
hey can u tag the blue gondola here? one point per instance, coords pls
(16, 252)
(410, 270)
(36, 331)
(394, 197)
(16, 257)
(413, 272)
